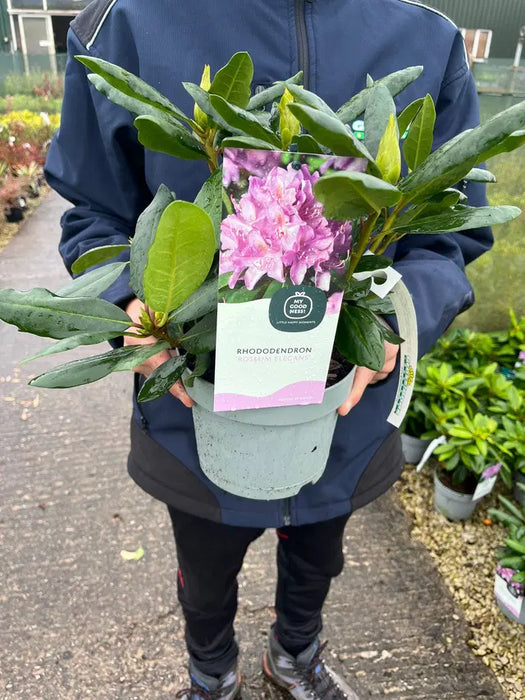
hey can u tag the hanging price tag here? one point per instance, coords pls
(432, 446)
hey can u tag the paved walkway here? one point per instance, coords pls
(77, 621)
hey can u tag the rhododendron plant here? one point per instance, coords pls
(292, 221)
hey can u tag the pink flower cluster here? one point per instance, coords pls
(278, 229)
(253, 161)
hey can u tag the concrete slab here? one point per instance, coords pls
(79, 622)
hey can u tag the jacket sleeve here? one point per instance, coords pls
(433, 266)
(96, 162)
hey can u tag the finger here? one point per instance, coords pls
(362, 379)
(179, 392)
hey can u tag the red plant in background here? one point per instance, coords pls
(12, 190)
(50, 87)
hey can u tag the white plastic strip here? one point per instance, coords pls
(406, 318)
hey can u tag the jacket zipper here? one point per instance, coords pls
(302, 41)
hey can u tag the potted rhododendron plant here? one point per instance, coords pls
(300, 203)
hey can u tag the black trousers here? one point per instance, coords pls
(210, 556)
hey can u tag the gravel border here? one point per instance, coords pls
(464, 555)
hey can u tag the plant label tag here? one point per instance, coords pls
(431, 447)
(383, 281)
(484, 487)
(407, 322)
(281, 279)
(508, 596)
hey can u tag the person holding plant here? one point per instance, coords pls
(97, 163)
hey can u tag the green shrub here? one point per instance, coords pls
(36, 83)
(17, 103)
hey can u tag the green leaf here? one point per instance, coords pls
(209, 198)
(289, 126)
(369, 263)
(357, 289)
(461, 218)
(233, 81)
(202, 100)
(378, 113)
(330, 132)
(91, 369)
(180, 257)
(310, 99)
(72, 342)
(436, 204)
(201, 338)
(480, 175)
(358, 338)
(454, 159)
(515, 140)
(516, 546)
(247, 142)
(127, 85)
(132, 556)
(41, 312)
(96, 256)
(144, 234)
(93, 283)
(202, 364)
(377, 305)
(200, 303)
(395, 82)
(389, 154)
(519, 577)
(418, 144)
(306, 144)
(162, 379)
(273, 93)
(243, 121)
(160, 134)
(348, 194)
(512, 508)
(408, 115)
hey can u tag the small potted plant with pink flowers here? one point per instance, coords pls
(294, 221)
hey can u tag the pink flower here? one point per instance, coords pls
(254, 162)
(491, 471)
(278, 229)
(334, 302)
(344, 163)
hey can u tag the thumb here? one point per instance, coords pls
(363, 377)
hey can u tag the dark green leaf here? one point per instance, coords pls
(515, 545)
(395, 82)
(418, 144)
(436, 204)
(515, 140)
(202, 364)
(348, 194)
(358, 338)
(387, 333)
(72, 342)
(96, 256)
(330, 132)
(200, 303)
(306, 144)
(180, 257)
(233, 81)
(310, 99)
(144, 235)
(90, 369)
(373, 262)
(377, 115)
(454, 159)
(162, 379)
(201, 338)
(480, 175)
(273, 93)
(377, 305)
(159, 133)
(239, 296)
(461, 218)
(408, 115)
(243, 121)
(127, 85)
(357, 289)
(93, 283)
(247, 142)
(202, 99)
(519, 577)
(209, 198)
(41, 312)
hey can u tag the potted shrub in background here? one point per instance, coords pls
(509, 585)
(12, 199)
(174, 255)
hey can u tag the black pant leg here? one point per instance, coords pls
(210, 556)
(308, 557)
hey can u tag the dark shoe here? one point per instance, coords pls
(204, 687)
(306, 676)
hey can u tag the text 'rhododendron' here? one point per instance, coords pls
(278, 229)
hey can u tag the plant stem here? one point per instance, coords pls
(364, 238)
(387, 228)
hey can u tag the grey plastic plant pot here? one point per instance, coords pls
(413, 447)
(519, 495)
(452, 504)
(265, 453)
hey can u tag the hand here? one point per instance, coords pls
(364, 377)
(134, 309)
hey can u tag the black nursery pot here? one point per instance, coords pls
(14, 214)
